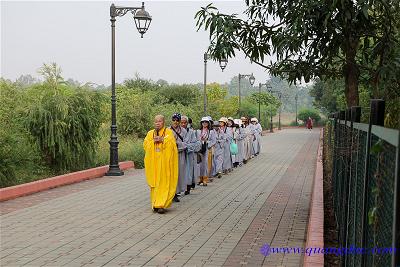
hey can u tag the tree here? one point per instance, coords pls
(64, 122)
(52, 74)
(328, 95)
(184, 94)
(310, 38)
(219, 103)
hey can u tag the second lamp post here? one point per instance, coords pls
(251, 80)
(259, 97)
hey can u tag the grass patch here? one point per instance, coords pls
(129, 148)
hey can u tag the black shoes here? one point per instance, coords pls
(155, 210)
(188, 187)
(176, 199)
(193, 185)
(160, 211)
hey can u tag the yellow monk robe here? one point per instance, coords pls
(161, 167)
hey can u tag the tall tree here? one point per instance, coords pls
(310, 38)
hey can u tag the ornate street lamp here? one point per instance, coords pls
(142, 22)
(251, 80)
(222, 64)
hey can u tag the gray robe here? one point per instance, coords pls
(227, 149)
(238, 137)
(182, 180)
(219, 151)
(258, 130)
(210, 139)
(193, 145)
(247, 143)
(253, 139)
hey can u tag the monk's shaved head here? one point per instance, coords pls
(159, 117)
(159, 122)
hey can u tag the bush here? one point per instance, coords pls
(20, 159)
(129, 148)
(64, 123)
(305, 113)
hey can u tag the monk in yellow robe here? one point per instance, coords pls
(161, 165)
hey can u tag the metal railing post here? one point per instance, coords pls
(376, 117)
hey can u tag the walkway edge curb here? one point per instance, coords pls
(315, 231)
(48, 183)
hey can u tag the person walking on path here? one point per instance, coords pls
(251, 136)
(161, 165)
(220, 147)
(229, 131)
(207, 139)
(180, 135)
(238, 137)
(246, 140)
(256, 130)
(309, 123)
(193, 146)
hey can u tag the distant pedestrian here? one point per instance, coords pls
(309, 123)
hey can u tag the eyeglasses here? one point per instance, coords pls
(175, 120)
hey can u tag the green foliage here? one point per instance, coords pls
(20, 160)
(137, 107)
(219, 103)
(330, 40)
(248, 109)
(183, 94)
(134, 112)
(130, 148)
(293, 123)
(266, 99)
(305, 113)
(328, 95)
(65, 123)
(140, 84)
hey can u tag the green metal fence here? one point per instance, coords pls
(366, 185)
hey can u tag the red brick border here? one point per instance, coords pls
(69, 178)
(315, 232)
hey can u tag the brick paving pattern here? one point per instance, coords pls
(108, 221)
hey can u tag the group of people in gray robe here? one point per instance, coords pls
(214, 149)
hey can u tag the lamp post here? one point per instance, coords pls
(222, 63)
(280, 110)
(279, 118)
(142, 21)
(251, 80)
(296, 97)
(259, 98)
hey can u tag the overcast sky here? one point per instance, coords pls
(76, 35)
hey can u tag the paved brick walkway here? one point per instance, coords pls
(108, 222)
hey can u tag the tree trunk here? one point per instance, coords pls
(351, 73)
